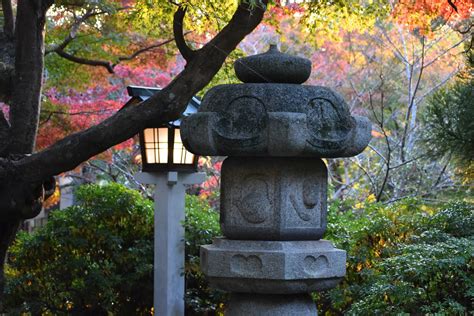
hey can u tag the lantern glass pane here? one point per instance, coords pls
(180, 154)
(156, 145)
(163, 144)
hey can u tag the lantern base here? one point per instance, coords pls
(270, 305)
(272, 267)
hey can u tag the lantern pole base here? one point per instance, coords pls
(168, 296)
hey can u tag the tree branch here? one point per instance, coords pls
(8, 18)
(187, 53)
(106, 64)
(145, 49)
(84, 61)
(73, 32)
(164, 106)
(27, 82)
(75, 28)
(411, 111)
(4, 133)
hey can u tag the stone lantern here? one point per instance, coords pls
(274, 184)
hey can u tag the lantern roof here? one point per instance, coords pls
(141, 93)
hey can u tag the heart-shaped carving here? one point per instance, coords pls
(315, 266)
(243, 265)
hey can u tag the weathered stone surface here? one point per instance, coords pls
(283, 120)
(272, 198)
(272, 267)
(270, 305)
(273, 67)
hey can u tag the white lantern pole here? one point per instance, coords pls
(168, 297)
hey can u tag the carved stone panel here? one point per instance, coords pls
(329, 123)
(303, 197)
(239, 126)
(248, 197)
(272, 266)
(273, 198)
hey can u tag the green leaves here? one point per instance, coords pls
(97, 257)
(201, 225)
(404, 259)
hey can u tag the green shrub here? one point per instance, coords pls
(201, 225)
(431, 276)
(92, 258)
(96, 258)
(403, 259)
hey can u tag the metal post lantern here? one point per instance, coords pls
(161, 146)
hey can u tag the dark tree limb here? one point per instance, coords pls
(450, 2)
(27, 82)
(7, 233)
(187, 53)
(73, 31)
(84, 61)
(7, 66)
(164, 106)
(22, 181)
(4, 133)
(146, 49)
(8, 18)
(106, 64)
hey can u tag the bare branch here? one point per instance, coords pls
(187, 53)
(73, 32)
(467, 30)
(371, 180)
(450, 2)
(396, 51)
(437, 86)
(427, 64)
(411, 111)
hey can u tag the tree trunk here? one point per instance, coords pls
(7, 233)
(23, 200)
(29, 55)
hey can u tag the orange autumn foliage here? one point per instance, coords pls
(424, 15)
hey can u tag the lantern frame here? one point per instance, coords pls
(169, 165)
(140, 94)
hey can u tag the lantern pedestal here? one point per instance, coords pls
(168, 297)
